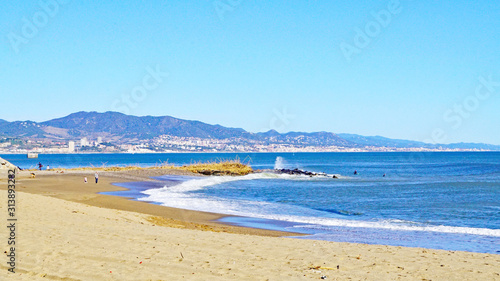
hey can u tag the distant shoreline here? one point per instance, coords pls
(242, 152)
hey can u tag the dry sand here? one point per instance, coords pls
(65, 231)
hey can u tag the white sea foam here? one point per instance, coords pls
(279, 163)
(180, 196)
(198, 184)
(407, 226)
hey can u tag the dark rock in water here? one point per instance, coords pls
(297, 171)
(294, 172)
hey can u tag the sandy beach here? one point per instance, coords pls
(66, 231)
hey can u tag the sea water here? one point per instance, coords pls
(438, 200)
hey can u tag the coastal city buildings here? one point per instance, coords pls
(84, 142)
(71, 146)
(169, 143)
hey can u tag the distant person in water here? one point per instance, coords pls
(355, 172)
(96, 177)
(384, 175)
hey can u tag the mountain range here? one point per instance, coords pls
(120, 128)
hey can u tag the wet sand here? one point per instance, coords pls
(70, 186)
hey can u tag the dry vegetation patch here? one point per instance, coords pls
(220, 168)
(215, 168)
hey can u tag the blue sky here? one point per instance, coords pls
(419, 70)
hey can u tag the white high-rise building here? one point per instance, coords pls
(84, 142)
(71, 146)
(99, 140)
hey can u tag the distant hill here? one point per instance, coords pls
(21, 129)
(470, 145)
(314, 139)
(121, 128)
(382, 141)
(379, 141)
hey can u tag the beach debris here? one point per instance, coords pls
(315, 267)
(322, 267)
(323, 277)
(182, 255)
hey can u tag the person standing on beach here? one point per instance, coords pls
(96, 177)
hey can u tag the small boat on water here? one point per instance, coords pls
(32, 155)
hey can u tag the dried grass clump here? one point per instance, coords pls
(119, 169)
(220, 168)
(216, 168)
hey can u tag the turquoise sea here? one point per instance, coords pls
(440, 200)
